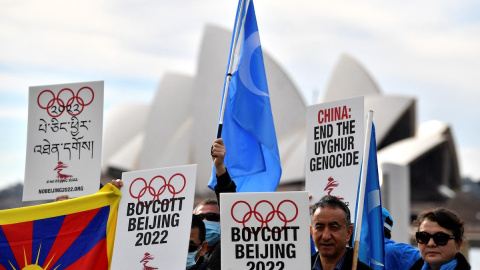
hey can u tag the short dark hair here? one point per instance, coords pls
(445, 218)
(205, 202)
(334, 202)
(198, 223)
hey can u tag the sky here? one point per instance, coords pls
(429, 50)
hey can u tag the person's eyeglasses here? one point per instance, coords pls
(209, 216)
(440, 238)
(193, 247)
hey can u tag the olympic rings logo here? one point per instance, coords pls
(56, 104)
(139, 187)
(264, 207)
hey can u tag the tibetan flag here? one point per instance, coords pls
(372, 248)
(71, 234)
(248, 130)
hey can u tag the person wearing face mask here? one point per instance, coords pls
(209, 212)
(439, 237)
(209, 209)
(197, 246)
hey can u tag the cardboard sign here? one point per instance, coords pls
(64, 140)
(335, 132)
(154, 219)
(265, 230)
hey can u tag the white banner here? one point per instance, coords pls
(64, 140)
(154, 219)
(335, 132)
(265, 230)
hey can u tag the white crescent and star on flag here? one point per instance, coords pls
(250, 45)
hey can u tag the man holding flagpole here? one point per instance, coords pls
(369, 239)
(246, 122)
(331, 230)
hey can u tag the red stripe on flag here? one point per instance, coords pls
(72, 227)
(95, 259)
(19, 237)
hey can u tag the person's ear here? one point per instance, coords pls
(350, 231)
(458, 244)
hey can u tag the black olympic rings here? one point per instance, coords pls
(156, 193)
(74, 106)
(264, 220)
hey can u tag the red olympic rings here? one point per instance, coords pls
(156, 193)
(61, 103)
(264, 220)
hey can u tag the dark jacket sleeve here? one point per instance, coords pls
(347, 264)
(462, 263)
(417, 265)
(215, 261)
(224, 184)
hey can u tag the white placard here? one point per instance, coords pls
(154, 219)
(64, 140)
(265, 230)
(335, 132)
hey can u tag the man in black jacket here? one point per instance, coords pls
(331, 230)
(209, 210)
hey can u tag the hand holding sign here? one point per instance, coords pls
(154, 218)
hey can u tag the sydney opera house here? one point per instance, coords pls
(418, 161)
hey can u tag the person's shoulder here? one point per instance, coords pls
(462, 262)
(215, 257)
(349, 259)
(314, 256)
(417, 265)
(363, 266)
(399, 247)
(204, 266)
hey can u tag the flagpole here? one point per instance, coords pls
(361, 192)
(229, 70)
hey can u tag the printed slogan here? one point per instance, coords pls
(154, 218)
(334, 144)
(267, 233)
(64, 140)
(334, 149)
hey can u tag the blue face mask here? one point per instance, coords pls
(191, 259)
(212, 232)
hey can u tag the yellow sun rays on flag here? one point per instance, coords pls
(34, 266)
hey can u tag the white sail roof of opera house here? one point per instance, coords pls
(180, 124)
(429, 135)
(431, 159)
(427, 150)
(350, 79)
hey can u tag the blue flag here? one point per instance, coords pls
(372, 247)
(252, 157)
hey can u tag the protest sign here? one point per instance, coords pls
(335, 134)
(154, 218)
(265, 230)
(64, 140)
